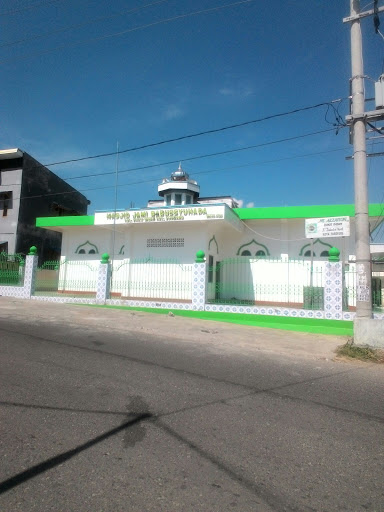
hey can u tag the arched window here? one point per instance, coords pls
(260, 254)
(325, 254)
(92, 251)
(245, 253)
(307, 254)
(81, 251)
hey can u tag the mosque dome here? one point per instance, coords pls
(179, 175)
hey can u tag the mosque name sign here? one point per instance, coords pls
(160, 215)
(330, 227)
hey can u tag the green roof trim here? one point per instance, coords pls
(279, 212)
(74, 220)
(306, 212)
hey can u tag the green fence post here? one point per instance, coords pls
(103, 280)
(30, 273)
(333, 290)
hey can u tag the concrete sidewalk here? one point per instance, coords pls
(216, 337)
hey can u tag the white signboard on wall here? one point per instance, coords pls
(327, 228)
(182, 213)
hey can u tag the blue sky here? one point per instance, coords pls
(190, 74)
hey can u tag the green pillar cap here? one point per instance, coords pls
(105, 258)
(200, 257)
(32, 251)
(334, 254)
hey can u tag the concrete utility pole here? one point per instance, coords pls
(358, 126)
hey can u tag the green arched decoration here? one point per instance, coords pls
(308, 246)
(213, 239)
(265, 248)
(122, 249)
(87, 243)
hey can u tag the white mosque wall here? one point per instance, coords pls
(154, 260)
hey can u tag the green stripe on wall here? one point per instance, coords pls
(75, 220)
(297, 212)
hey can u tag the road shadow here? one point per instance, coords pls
(48, 464)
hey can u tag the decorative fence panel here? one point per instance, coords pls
(277, 282)
(12, 268)
(67, 279)
(151, 279)
(349, 290)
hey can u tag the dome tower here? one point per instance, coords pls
(178, 189)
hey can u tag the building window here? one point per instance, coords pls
(92, 251)
(325, 254)
(307, 254)
(168, 200)
(188, 199)
(260, 254)
(5, 202)
(177, 198)
(246, 253)
(210, 269)
(81, 251)
(165, 242)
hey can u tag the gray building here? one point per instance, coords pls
(29, 190)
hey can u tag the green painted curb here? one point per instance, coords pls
(310, 325)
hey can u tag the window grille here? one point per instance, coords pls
(165, 242)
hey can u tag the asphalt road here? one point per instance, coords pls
(99, 418)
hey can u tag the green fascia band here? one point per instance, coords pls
(297, 212)
(283, 212)
(75, 220)
(310, 325)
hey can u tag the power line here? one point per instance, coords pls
(207, 155)
(193, 135)
(115, 34)
(196, 173)
(78, 25)
(28, 7)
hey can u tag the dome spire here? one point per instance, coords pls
(179, 174)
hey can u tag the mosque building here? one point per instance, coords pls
(181, 222)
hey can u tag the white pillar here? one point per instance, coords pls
(199, 282)
(103, 280)
(333, 287)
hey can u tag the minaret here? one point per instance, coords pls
(179, 189)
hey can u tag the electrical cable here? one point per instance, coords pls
(28, 7)
(196, 173)
(376, 19)
(79, 25)
(116, 34)
(381, 213)
(207, 155)
(271, 238)
(192, 135)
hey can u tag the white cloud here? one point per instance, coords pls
(250, 205)
(173, 112)
(240, 202)
(225, 91)
(240, 91)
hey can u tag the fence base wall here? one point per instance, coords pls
(333, 305)
(272, 311)
(64, 300)
(150, 304)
